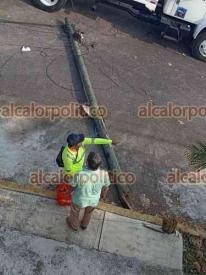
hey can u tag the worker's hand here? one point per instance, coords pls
(102, 198)
(115, 142)
(104, 193)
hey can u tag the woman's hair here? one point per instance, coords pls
(94, 161)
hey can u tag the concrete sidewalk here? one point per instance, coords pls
(31, 219)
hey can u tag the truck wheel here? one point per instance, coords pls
(49, 5)
(199, 47)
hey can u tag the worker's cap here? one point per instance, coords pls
(74, 139)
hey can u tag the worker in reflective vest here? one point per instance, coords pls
(73, 155)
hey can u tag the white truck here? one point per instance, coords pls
(180, 18)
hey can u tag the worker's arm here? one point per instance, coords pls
(105, 188)
(89, 141)
(104, 193)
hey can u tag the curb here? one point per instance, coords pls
(193, 230)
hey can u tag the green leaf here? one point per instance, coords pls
(196, 155)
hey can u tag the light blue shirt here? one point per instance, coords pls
(87, 187)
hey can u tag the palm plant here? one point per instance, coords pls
(197, 155)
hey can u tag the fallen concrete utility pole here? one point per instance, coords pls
(110, 156)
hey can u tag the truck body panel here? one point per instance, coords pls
(191, 11)
(200, 27)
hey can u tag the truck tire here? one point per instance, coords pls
(199, 47)
(49, 5)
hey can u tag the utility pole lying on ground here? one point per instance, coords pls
(123, 190)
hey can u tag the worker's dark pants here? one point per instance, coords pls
(74, 216)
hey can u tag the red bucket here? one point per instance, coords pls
(63, 194)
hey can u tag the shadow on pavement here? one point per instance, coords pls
(123, 22)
